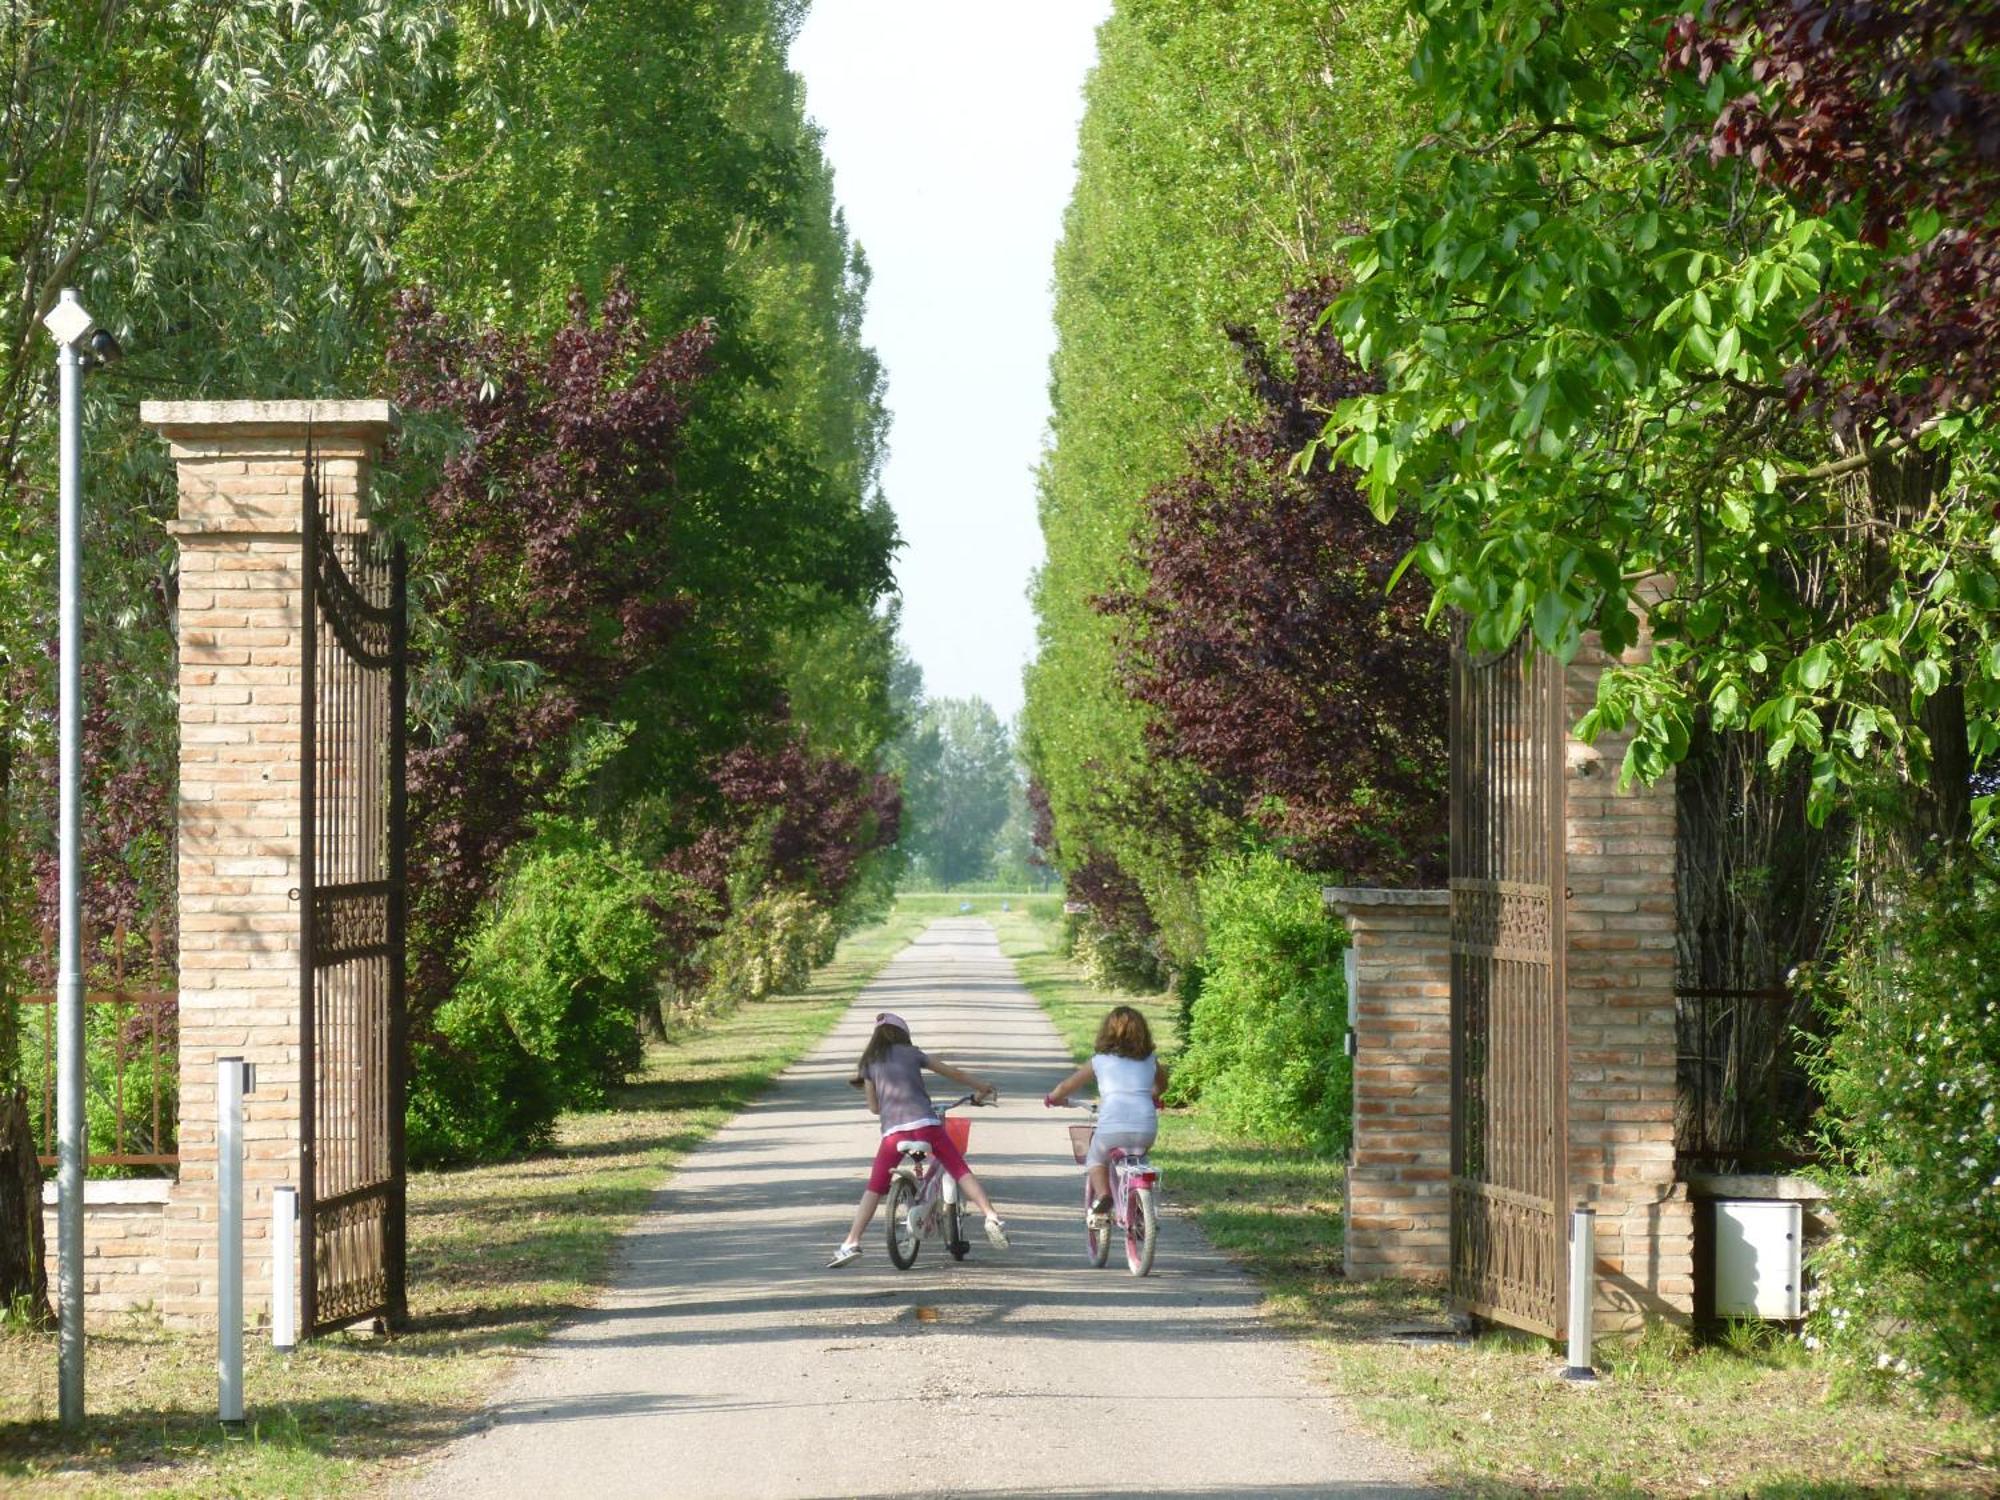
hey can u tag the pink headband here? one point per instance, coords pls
(890, 1018)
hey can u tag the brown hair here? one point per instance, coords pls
(887, 1035)
(1125, 1034)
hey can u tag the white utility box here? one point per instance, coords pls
(1759, 1259)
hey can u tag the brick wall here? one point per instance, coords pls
(1622, 1091)
(124, 1245)
(1399, 1004)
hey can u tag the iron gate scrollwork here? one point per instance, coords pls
(352, 912)
(1509, 1161)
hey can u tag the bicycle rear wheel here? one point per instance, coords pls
(1142, 1227)
(1096, 1237)
(903, 1245)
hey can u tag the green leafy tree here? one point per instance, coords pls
(222, 182)
(1219, 163)
(1587, 326)
(238, 190)
(955, 816)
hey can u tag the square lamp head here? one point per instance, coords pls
(68, 321)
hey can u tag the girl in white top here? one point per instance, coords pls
(1130, 1080)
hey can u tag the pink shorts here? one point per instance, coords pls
(887, 1155)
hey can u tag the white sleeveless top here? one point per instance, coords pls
(1125, 1093)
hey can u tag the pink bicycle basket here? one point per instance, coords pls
(960, 1131)
(1079, 1140)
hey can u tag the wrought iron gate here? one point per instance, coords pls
(1509, 1163)
(351, 896)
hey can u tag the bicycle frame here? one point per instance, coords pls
(937, 1187)
(1135, 1185)
(936, 1197)
(1129, 1170)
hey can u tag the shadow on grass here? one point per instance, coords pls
(123, 1445)
(1292, 1238)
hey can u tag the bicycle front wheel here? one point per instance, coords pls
(1142, 1237)
(954, 1229)
(903, 1245)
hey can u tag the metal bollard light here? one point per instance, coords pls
(284, 1261)
(233, 1079)
(1582, 1292)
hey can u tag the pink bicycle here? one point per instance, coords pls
(1135, 1201)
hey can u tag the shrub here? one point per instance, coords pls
(771, 945)
(1116, 957)
(476, 1094)
(1911, 1076)
(1264, 1050)
(546, 1015)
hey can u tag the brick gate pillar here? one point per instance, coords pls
(1399, 1017)
(1622, 1037)
(241, 469)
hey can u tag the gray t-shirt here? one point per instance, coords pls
(901, 1099)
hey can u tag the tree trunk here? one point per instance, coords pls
(24, 1276)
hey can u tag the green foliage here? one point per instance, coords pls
(222, 182)
(1219, 161)
(1911, 1077)
(1264, 1050)
(1114, 958)
(547, 1015)
(1018, 865)
(665, 145)
(1586, 326)
(769, 946)
(238, 188)
(959, 798)
(122, 1068)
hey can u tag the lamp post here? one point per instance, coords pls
(72, 327)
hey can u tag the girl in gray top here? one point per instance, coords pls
(891, 1074)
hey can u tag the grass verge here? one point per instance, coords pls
(498, 1256)
(1755, 1416)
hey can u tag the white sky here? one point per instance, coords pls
(951, 126)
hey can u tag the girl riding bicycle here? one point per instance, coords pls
(890, 1073)
(1130, 1080)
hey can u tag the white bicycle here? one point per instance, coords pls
(1135, 1201)
(924, 1198)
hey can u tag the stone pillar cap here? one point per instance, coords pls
(211, 419)
(1375, 895)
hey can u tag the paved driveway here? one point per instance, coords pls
(725, 1362)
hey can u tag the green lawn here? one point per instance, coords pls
(498, 1255)
(1759, 1417)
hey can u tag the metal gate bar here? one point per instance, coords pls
(352, 917)
(1509, 1169)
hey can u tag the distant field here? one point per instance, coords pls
(1043, 906)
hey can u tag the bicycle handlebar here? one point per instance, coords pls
(973, 1099)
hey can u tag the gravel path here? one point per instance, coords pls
(725, 1362)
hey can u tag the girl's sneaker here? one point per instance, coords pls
(843, 1255)
(1100, 1212)
(996, 1231)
